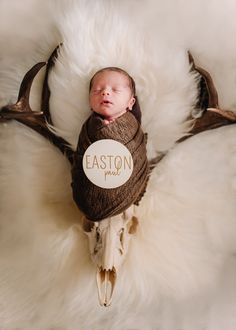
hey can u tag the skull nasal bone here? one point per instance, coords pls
(109, 250)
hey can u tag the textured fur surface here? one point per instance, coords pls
(180, 270)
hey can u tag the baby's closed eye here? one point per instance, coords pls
(96, 91)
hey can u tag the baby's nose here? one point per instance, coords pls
(105, 92)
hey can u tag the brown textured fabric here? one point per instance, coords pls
(99, 203)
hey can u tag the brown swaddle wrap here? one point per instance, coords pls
(99, 203)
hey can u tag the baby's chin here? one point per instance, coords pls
(109, 116)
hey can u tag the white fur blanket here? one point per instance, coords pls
(180, 270)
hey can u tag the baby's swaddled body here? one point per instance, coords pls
(99, 203)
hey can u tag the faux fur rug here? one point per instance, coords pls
(180, 270)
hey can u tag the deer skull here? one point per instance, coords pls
(108, 243)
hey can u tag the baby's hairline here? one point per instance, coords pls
(115, 69)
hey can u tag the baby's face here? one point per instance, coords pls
(110, 94)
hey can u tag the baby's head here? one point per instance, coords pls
(112, 93)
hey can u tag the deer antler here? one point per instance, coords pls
(208, 96)
(38, 121)
(212, 116)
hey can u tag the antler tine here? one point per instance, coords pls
(25, 87)
(212, 101)
(213, 116)
(46, 93)
(22, 107)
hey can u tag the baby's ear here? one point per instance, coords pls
(131, 103)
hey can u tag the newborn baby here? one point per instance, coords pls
(112, 93)
(117, 116)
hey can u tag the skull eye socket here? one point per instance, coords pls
(133, 225)
(121, 237)
(98, 235)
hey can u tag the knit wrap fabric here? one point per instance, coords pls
(99, 203)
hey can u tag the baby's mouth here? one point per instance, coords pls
(106, 102)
